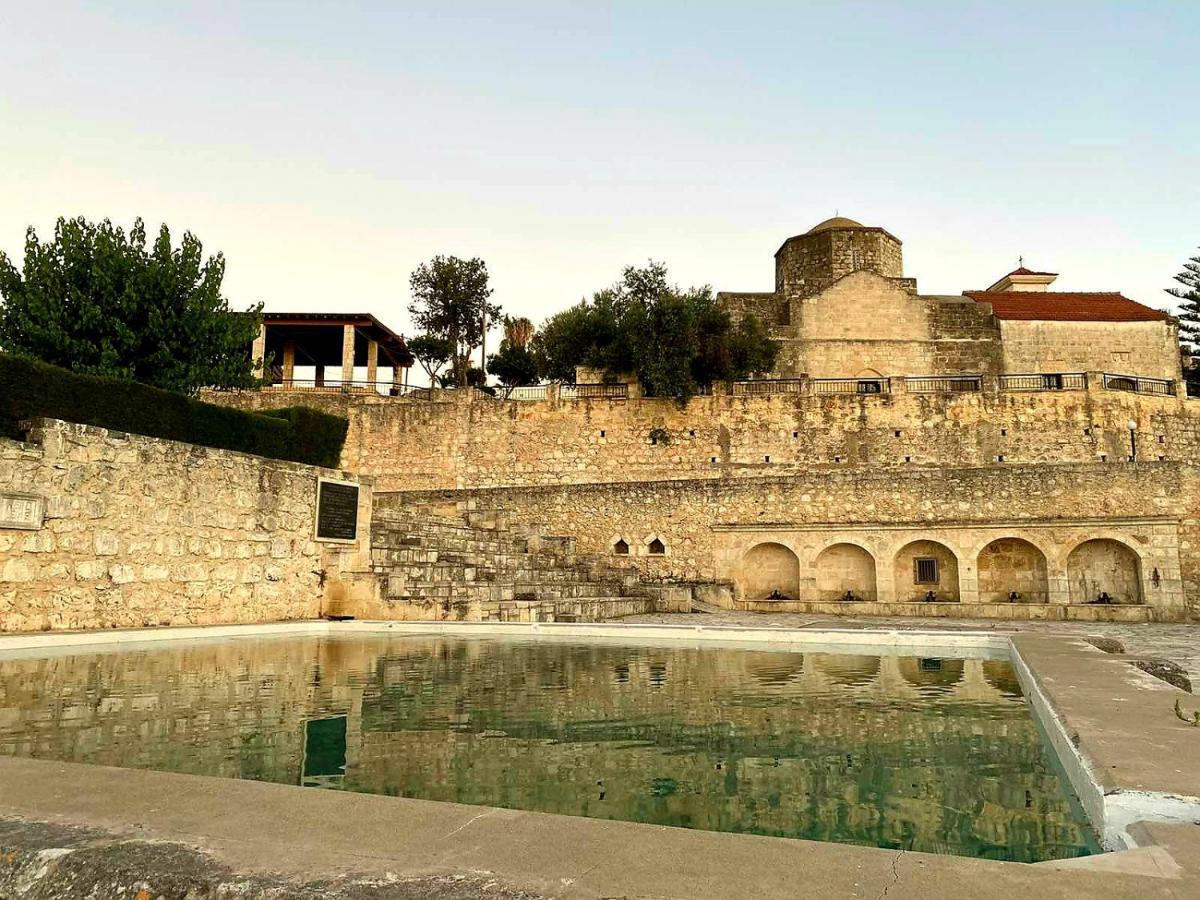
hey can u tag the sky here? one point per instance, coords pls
(328, 149)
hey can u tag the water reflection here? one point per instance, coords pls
(929, 754)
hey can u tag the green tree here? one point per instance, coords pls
(1189, 318)
(450, 301)
(515, 364)
(432, 354)
(100, 301)
(676, 341)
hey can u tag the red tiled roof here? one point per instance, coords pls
(1024, 271)
(1066, 306)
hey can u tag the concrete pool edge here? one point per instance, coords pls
(1047, 667)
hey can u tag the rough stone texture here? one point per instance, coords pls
(464, 441)
(141, 531)
(711, 529)
(40, 861)
(1148, 349)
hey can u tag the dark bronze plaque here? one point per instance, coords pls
(337, 511)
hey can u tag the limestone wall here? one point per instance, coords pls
(450, 442)
(1149, 349)
(140, 531)
(710, 531)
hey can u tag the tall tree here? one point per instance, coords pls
(432, 353)
(1189, 316)
(450, 301)
(515, 365)
(98, 300)
(676, 341)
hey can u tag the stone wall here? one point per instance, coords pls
(710, 530)
(809, 263)
(1148, 349)
(140, 531)
(454, 442)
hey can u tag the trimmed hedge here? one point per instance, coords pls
(31, 390)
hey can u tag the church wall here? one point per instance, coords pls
(1148, 349)
(810, 263)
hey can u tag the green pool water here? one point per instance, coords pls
(922, 753)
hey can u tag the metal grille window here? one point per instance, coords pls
(926, 570)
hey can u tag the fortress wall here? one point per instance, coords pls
(450, 443)
(1149, 349)
(710, 527)
(141, 531)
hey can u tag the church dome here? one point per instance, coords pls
(834, 224)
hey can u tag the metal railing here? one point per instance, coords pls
(311, 385)
(594, 391)
(768, 386)
(532, 392)
(943, 384)
(1136, 385)
(1064, 381)
(821, 386)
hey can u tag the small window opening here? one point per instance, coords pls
(621, 547)
(1162, 438)
(908, 459)
(897, 432)
(601, 432)
(657, 547)
(712, 459)
(766, 459)
(925, 570)
(837, 459)
(1161, 457)
(1103, 457)
(692, 432)
(1003, 432)
(795, 434)
(1000, 458)
(1087, 431)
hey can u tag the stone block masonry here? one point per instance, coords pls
(141, 531)
(1059, 536)
(464, 442)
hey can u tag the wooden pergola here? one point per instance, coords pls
(330, 340)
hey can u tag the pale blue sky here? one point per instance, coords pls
(329, 148)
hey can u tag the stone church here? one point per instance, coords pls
(843, 308)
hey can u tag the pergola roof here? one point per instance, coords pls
(318, 338)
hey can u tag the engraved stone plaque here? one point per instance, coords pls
(25, 511)
(337, 511)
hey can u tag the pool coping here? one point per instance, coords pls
(1095, 709)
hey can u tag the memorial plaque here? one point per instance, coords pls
(337, 511)
(25, 511)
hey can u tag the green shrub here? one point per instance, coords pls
(31, 390)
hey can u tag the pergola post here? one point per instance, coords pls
(347, 354)
(396, 383)
(258, 350)
(289, 362)
(372, 362)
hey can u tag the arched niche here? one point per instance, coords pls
(924, 567)
(843, 568)
(770, 570)
(1009, 566)
(1104, 568)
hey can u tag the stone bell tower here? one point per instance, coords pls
(808, 263)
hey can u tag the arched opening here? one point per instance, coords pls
(1104, 571)
(844, 572)
(621, 547)
(1012, 570)
(848, 670)
(770, 571)
(926, 571)
(656, 547)
(931, 674)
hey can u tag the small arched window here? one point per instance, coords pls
(657, 547)
(621, 547)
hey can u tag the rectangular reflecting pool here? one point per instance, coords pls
(937, 754)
